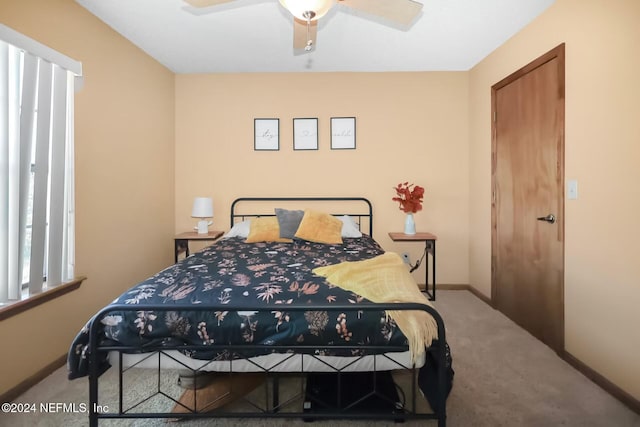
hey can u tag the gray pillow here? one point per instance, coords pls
(288, 221)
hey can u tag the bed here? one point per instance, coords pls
(259, 303)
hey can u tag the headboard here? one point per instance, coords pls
(359, 208)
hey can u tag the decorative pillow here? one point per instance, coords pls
(239, 229)
(288, 221)
(349, 227)
(265, 229)
(320, 227)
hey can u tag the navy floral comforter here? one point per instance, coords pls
(267, 276)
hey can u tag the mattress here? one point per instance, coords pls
(273, 362)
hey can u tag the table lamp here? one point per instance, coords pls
(202, 208)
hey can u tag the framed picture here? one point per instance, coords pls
(343, 133)
(266, 134)
(305, 134)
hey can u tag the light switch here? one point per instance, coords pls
(572, 189)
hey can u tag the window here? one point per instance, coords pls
(36, 166)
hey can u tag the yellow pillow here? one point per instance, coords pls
(265, 229)
(320, 227)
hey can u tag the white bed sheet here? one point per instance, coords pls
(274, 362)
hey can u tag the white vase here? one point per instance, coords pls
(409, 224)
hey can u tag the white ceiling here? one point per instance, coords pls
(257, 35)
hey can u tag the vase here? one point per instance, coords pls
(409, 224)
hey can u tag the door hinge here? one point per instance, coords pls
(495, 116)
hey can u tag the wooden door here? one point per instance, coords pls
(528, 183)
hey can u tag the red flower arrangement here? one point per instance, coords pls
(410, 199)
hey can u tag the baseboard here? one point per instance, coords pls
(452, 287)
(605, 384)
(34, 379)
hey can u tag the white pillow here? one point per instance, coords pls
(349, 227)
(240, 229)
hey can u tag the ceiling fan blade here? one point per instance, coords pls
(206, 3)
(400, 11)
(300, 37)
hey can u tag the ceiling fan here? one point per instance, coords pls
(307, 12)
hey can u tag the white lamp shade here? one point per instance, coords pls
(299, 7)
(202, 207)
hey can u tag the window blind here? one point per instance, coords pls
(36, 166)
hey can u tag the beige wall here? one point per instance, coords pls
(124, 129)
(410, 127)
(602, 259)
(430, 128)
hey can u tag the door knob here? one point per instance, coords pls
(549, 218)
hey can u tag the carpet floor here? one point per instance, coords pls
(503, 377)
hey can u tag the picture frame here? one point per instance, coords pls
(343, 133)
(305, 134)
(266, 134)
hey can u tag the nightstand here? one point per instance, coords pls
(430, 248)
(181, 241)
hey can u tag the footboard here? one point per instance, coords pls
(296, 406)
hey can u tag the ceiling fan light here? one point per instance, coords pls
(299, 8)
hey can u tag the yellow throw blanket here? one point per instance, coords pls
(385, 278)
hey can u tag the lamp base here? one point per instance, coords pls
(203, 226)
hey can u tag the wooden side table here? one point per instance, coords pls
(181, 241)
(430, 248)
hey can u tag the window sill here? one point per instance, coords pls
(17, 307)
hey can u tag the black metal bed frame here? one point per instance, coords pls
(273, 408)
(368, 214)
